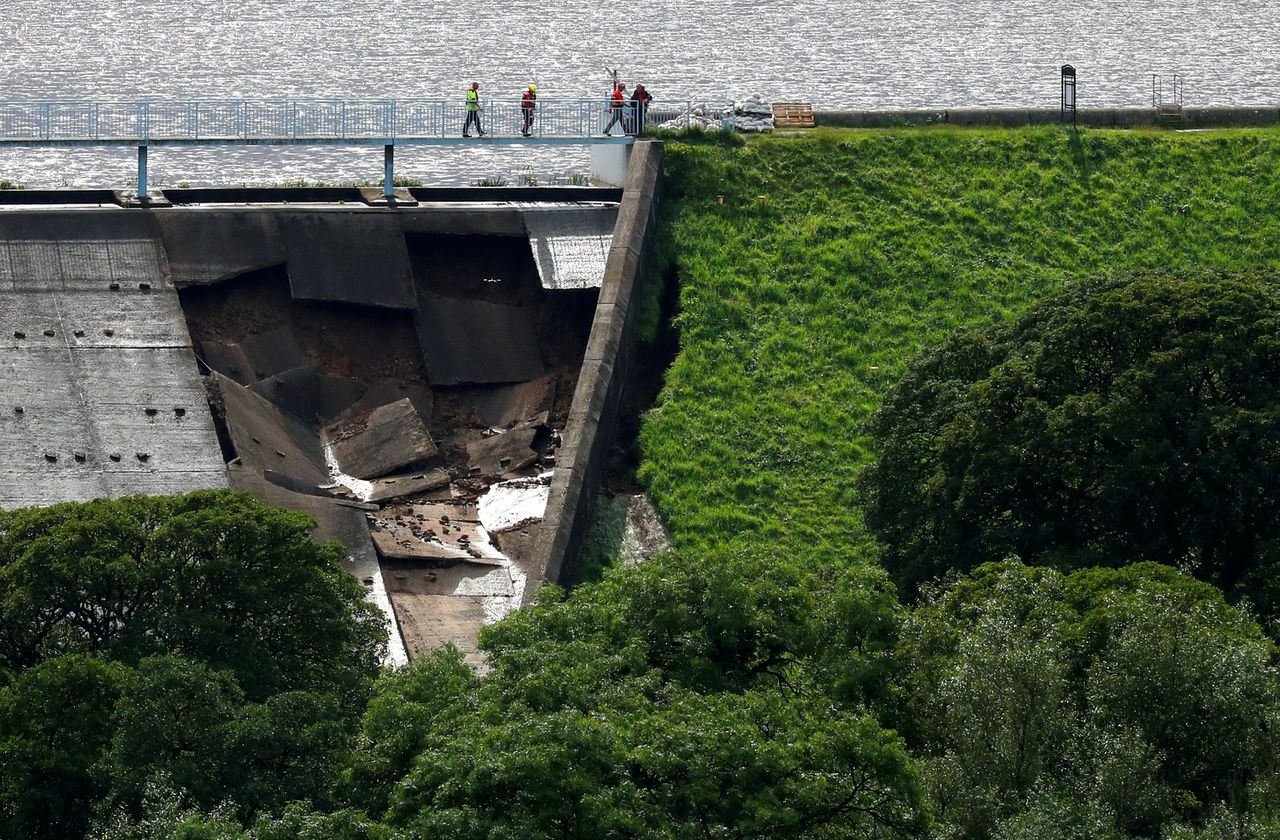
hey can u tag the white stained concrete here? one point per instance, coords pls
(609, 163)
(510, 504)
(396, 653)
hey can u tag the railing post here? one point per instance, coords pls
(388, 170)
(142, 172)
(48, 121)
(244, 119)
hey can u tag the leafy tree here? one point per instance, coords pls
(199, 644)
(1124, 420)
(54, 725)
(676, 698)
(1107, 702)
(215, 576)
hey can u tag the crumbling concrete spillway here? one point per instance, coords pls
(434, 382)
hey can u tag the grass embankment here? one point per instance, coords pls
(837, 255)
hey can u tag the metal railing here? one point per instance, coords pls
(310, 120)
(381, 122)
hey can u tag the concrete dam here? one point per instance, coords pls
(434, 381)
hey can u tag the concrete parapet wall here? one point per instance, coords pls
(598, 396)
(1227, 116)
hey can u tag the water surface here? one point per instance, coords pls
(834, 53)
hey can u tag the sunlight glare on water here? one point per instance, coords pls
(834, 53)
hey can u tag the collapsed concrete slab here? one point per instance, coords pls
(348, 258)
(504, 452)
(257, 357)
(267, 438)
(310, 392)
(472, 341)
(381, 441)
(502, 406)
(409, 484)
(389, 390)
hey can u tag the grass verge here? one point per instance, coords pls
(813, 266)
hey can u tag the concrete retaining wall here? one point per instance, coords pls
(598, 396)
(1192, 117)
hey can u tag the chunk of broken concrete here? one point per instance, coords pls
(504, 452)
(407, 484)
(381, 441)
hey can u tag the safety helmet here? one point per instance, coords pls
(533, 88)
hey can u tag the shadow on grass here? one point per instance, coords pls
(1084, 170)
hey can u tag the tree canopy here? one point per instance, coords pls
(1105, 703)
(201, 642)
(1124, 420)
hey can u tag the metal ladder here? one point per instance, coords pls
(1168, 108)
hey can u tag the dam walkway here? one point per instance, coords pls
(314, 122)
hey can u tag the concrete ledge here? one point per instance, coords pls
(41, 197)
(521, 194)
(264, 195)
(1227, 116)
(597, 398)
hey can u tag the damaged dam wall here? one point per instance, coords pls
(594, 415)
(433, 381)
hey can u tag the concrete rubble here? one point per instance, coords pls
(435, 427)
(381, 440)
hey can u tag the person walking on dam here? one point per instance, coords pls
(473, 111)
(617, 109)
(528, 103)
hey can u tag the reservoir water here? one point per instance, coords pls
(833, 53)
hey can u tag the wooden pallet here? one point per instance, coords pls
(793, 115)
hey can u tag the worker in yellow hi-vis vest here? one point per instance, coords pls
(473, 111)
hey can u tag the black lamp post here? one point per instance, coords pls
(1069, 92)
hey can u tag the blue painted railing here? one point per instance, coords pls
(353, 122)
(310, 121)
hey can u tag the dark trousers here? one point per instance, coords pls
(618, 118)
(473, 118)
(528, 121)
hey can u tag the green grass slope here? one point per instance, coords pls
(813, 266)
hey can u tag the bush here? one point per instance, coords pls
(1124, 420)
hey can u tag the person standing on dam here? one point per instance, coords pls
(473, 111)
(528, 103)
(640, 99)
(618, 109)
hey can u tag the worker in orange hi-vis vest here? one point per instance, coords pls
(617, 108)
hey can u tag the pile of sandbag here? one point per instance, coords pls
(753, 114)
(702, 116)
(750, 114)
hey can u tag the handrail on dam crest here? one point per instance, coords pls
(347, 122)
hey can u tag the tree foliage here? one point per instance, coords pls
(212, 576)
(673, 699)
(1106, 702)
(1124, 420)
(203, 641)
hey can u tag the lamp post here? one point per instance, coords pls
(1069, 92)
